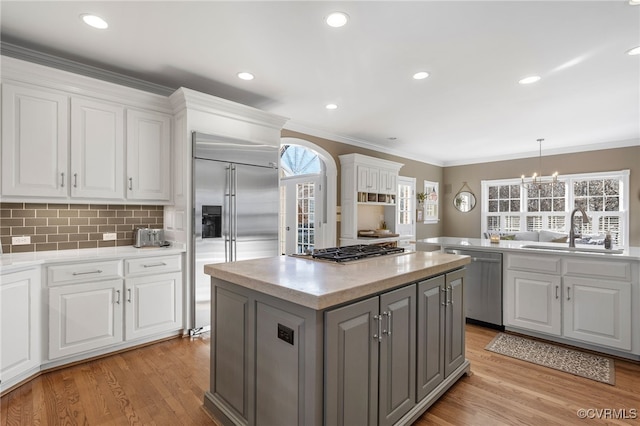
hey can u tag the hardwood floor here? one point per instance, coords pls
(164, 384)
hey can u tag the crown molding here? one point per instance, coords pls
(36, 57)
(311, 131)
(184, 98)
(558, 151)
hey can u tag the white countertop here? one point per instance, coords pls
(321, 284)
(10, 262)
(630, 253)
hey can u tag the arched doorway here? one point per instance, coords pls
(307, 197)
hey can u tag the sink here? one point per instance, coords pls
(574, 249)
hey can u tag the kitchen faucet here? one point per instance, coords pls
(572, 230)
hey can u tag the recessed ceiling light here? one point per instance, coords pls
(331, 106)
(634, 2)
(94, 21)
(336, 19)
(421, 75)
(246, 76)
(529, 80)
(634, 51)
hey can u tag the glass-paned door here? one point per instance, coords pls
(300, 204)
(406, 206)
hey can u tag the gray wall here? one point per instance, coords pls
(455, 224)
(458, 224)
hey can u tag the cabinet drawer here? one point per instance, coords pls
(82, 272)
(593, 269)
(152, 265)
(547, 264)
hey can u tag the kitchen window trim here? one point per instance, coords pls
(568, 179)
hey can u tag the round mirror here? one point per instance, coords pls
(464, 201)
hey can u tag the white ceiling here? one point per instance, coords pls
(471, 109)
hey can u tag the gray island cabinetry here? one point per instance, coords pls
(297, 341)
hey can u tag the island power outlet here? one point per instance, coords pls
(285, 333)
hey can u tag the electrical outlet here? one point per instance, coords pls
(20, 241)
(109, 236)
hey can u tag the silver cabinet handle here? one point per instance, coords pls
(62, 180)
(388, 316)
(130, 184)
(75, 180)
(118, 299)
(97, 271)
(129, 295)
(444, 290)
(154, 265)
(378, 320)
(557, 288)
(450, 295)
(568, 293)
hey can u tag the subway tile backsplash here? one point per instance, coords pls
(73, 226)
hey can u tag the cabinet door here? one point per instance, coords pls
(383, 179)
(387, 182)
(598, 311)
(397, 387)
(153, 305)
(363, 179)
(351, 364)
(454, 322)
(430, 335)
(532, 301)
(35, 142)
(148, 149)
(97, 149)
(19, 323)
(230, 370)
(85, 316)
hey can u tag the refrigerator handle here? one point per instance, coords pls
(227, 216)
(234, 212)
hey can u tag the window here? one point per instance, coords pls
(430, 205)
(509, 207)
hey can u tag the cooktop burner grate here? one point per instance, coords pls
(348, 253)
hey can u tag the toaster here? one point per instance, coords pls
(148, 237)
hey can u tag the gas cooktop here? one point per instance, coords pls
(349, 253)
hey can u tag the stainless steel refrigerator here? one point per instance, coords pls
(236, 200)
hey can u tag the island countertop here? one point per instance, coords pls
(320, 284)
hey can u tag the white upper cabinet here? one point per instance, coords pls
(97, 149)
(72, 138)
(34, 142)
(148, 162)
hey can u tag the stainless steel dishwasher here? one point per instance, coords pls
(483, 286)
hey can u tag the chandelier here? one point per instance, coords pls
(537, 180)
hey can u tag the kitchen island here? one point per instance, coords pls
(307, 342)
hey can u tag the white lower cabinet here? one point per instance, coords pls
(598, 311)
(533, 301)
(116, 305)
(578, 299)
(84, 316)
(153, 304)
(19, 325)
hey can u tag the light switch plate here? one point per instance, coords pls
(109, 236)
(20, 241)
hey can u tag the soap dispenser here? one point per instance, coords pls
(607, 241)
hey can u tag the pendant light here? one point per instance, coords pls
(536, 181)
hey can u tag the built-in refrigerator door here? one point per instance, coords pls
(211, 229)
(256, 208)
